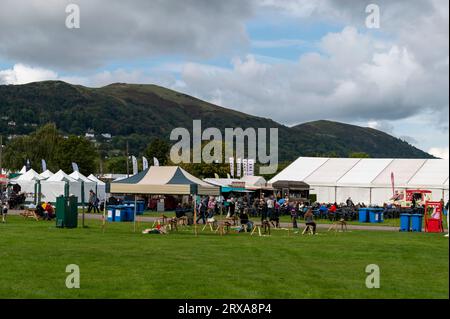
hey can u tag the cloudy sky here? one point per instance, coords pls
(293, 60)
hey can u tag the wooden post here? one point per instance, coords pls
(135, 209)
(195, 214)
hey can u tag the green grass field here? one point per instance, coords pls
(119, 263)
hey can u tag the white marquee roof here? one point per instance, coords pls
(348, 172)
(30, 175)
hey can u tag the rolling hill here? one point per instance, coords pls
(140, 113)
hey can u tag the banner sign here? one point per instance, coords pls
(238, 167)
(232, 166)
(251, 167)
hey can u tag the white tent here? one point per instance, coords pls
(254, 182)
(101, 187)
(323, 182)
(88, 184)
(367, 180)
(27, 183)
(53, 187)
(433, 175)
(402, 169)
(47, 174)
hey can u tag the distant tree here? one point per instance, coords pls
(359, 155)
(79, 150)
(158, 148)
(42, 144)
(116, 165)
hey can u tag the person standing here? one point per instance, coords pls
(93, 202)
(270, 207)
(309, 220)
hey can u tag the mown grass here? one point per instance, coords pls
(119, 263)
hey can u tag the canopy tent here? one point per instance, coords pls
(101, 187)
(88, 184)
(47, 174)
(254, 182)
(367, 180)
(164, 180)
(27, 183)
(53, 187)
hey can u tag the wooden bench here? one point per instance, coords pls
(30, 213)
(265, 225)
(342, 224)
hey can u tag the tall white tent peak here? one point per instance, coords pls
(47, 174)
(60, 176)
(80, 177)
(95, 179)
(31, 175)
(23, 170)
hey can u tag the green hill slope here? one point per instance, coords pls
(142, 112)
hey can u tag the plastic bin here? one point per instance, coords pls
(363, 215)
(120, 213)
(434, 225)
(405, 222)
(416, 221)
(129, 213)
(111, 213)
(375, 216)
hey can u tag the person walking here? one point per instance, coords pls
(93, 202)
(309, 220)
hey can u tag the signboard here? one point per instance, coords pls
(238, 184)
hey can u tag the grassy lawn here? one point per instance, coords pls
(395, 222)
(118, 263)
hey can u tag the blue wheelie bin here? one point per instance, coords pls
(405, 222)
(416, 221)
(376, 215)
(111, 210)
(363, 215)
(120, 214)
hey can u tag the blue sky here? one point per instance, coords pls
(306, 59)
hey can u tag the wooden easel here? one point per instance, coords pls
(265, 225)
(339, 223)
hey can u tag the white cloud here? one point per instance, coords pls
(440, 152)
(21, 74)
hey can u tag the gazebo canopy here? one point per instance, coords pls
(164, 180)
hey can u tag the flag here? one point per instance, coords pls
(135, 165)
(155, 161)
(216, 176)
(75, 167)
(244, 167)
(251, 167)
(44, 165)
(238, 167)
(28, 165)
(228, 176)
(144, 163)
(393, 183)
(232, 166)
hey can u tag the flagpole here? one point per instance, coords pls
(195, 215)
(135, 208)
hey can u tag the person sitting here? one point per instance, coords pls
(246, 223)
(49, 212)
(179, 211)
(309, 220)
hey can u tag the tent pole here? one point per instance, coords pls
(82, 203)
(104, 216)
(135, 208)
(195, 214)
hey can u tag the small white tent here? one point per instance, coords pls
(53, 187)
(27, 183)
(47, 174)
(101, 187)
(88, 184)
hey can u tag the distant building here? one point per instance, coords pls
(107, 135)
(12, 123)
(89, 135)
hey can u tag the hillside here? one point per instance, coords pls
(143, 112)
